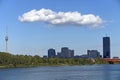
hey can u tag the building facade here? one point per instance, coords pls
(71, 53)
(65, 53)
(93, 53)
(51, 53)
(106, 47)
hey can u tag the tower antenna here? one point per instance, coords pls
(6, 39)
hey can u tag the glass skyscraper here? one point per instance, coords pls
(51, 53)
(106, 47)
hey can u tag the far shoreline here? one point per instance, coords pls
(33, 66)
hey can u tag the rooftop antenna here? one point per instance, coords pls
(6, 39)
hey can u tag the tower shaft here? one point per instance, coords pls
(6, 46)
(6, 39)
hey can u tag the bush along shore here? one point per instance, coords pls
(8, 60)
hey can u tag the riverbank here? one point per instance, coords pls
(8, 60)
(29, 66)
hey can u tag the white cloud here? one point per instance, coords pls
(61, 18)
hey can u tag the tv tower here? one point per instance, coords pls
(6, 39)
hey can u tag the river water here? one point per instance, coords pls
(87, 72)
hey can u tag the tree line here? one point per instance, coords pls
(10, 60)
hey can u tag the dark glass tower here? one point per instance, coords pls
(106, 47)
(51, 53)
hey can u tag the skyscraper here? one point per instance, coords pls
(65, 52)
(51, 53)
(106, 47)
(93, 53)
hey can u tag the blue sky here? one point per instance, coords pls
(38, 36)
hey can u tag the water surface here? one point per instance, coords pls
(88, 72)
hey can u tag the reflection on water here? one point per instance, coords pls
(92, 72)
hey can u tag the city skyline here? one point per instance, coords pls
(80, 25)
(68, 53)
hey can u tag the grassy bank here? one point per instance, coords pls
(9, 61)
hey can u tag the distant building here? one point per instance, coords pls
(93, 53)
(44, 56)
(77, 56)
(115, 57)
(51, 53)
(59, 55)
(84, 56)
(65, 53)
(71, 53)
(106, 47)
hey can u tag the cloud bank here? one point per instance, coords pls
(61, 18)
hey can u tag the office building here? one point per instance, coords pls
(51, 53)
(84, 56)
(93, 53)
(6, 40)
(59, 55)
(106, 47)
(71, 53)
(65, 53)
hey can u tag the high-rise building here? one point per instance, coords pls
(71, 53)
(51, 53)
(106, 47)
(93, 54)
(65, 52)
